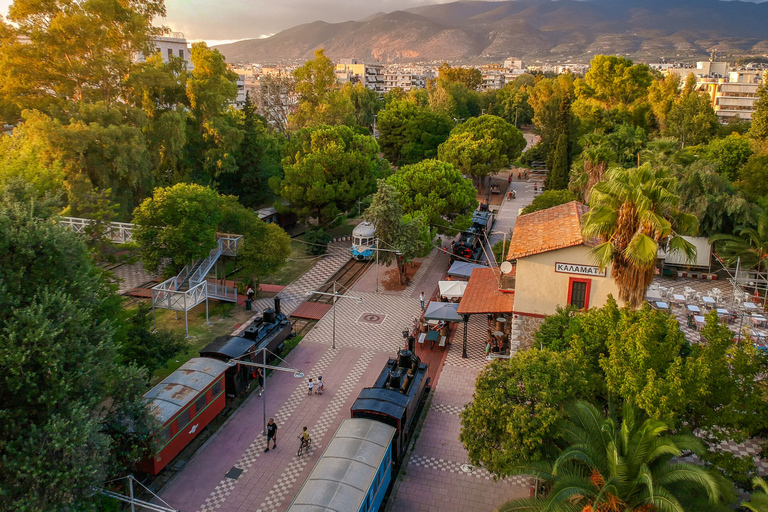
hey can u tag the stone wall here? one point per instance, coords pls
(525, 327)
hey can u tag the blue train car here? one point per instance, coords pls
(353, 472)
(363, 241)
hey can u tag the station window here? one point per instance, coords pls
(181, 54)
(183, 419)
(200, 404)
(216, 389)
(170, 53)
(578, 292)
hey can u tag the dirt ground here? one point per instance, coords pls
(391, 279)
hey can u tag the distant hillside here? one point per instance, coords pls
(531, 29)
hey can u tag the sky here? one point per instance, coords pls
(218, 21)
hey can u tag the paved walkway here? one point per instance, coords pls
(130, 276)
(434, 477)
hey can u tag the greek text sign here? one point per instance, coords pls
(584, 270)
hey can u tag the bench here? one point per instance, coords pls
(422, 336)
(443, 339)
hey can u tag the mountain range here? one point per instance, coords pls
(542, 30)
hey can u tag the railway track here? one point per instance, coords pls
(345, 277)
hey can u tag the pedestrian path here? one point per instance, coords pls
(438, 476)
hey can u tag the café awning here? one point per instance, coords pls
(442, 311)
(462, 269)
(452, 289)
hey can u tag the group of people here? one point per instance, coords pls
(317, 389)
(520, 175)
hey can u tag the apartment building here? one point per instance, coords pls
(494, 77)
(370, 75)
(404, 80)
(171, 45)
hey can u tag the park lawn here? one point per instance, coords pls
(224, 318)
(343, 229)
(298, 263)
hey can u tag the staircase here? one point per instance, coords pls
(189, 287)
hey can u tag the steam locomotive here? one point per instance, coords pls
(470, 244)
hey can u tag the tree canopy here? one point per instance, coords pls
(438, 191)
(327, 170)
(482, 146)
(410, 133)
(72, 414)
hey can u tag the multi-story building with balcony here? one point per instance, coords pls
(370, 75)
(404, 80)
(171, 45)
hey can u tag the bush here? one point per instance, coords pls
(319, 238)
(548, 199)
(500, 249)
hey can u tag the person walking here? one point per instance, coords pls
(310, 387)
(271, 434)
(421, 299)
(320, 386)
(258, 374)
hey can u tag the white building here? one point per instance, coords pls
(370, 75)
(171, 45)
(404, 80)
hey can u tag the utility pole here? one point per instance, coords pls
(335, 296)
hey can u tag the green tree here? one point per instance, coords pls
(559, 160)
(321, 103)
(754, 176)
(482, 146)
(147, 348)
(692, 119)
(439, 192)
(662, 95)
(48, 58)
(758, 501)
(614, 80)
(72, 415)
(612, 464)
(759, 126)
(748, 244)
(318, 240)
(512, 104)
(213, 135)
(406, 234)
(365, 101)
(471, 78)
(594, 160)
(178, 223)
(410, 133)
(327, 170)
(632, 212)
(258, 159)
(729, 154)
(517, 404)
(265, 250)
(548, 199)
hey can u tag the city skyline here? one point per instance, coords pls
(228, 21)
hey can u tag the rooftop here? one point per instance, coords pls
(547, 230)
(482, 294)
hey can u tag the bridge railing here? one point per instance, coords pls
(166, 295)
(118, 232)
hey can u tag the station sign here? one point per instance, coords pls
(575, 268)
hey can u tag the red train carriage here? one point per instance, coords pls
(184, 403)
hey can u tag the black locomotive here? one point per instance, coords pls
(269, 331)
(470, 243)
(395, 398)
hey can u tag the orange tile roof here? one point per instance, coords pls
(547, 230)
(482, 294)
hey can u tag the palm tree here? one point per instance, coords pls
(632, 213)
(758, 501)
(607, 465)
(748, 245)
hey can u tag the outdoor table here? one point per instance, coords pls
(432, 323)
(662, 306)
(749, 306)
(723, 314)
(708, 302)
(757, 320)
(699, 321)
(693, 309)
(679, 299)
(653, 295)
(433, 337)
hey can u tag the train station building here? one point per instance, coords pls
(554, 267)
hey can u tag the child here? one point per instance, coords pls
(320, 385)
(310, 387)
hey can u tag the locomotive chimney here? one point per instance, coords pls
(277, 306)
(394, 378)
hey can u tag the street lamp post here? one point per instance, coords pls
(333, 306)
(264, 366)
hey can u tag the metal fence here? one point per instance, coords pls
(117, 232)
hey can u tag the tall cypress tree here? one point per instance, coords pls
(559, 160)
(759, 128)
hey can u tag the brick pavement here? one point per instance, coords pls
(434, 479)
